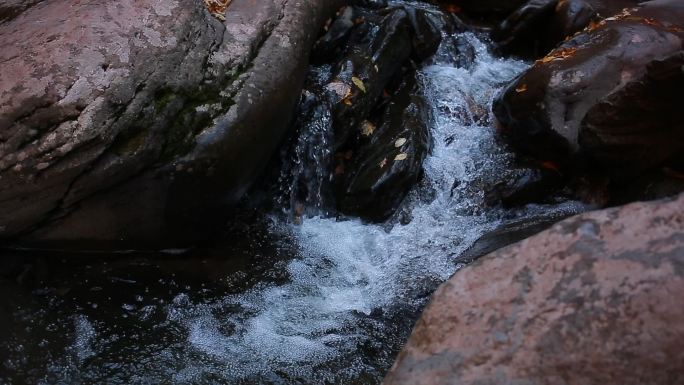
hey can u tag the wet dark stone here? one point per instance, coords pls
(508, 233)
(484, 6)
(375, 55)
(526, 185)
(331, 45)
(538, 26)
(388, 163)
(520, 31)
(372, 4)
(604, 101)
(427, 32)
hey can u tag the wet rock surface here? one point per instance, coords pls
(594, 299)
(538, 26)
(603, 102)
(363, 90)
(100, 144)
(389, 160)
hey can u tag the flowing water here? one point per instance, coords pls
(329, 300)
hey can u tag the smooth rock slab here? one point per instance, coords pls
(596, 299)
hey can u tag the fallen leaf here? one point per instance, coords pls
(451, 8)
(521, 88)
(367, 128)
(376, 68)
(401, 156)
(358, 83)
(383, 163)
(347, 101)
(217, 8)
(549, 165)
(342, 89)
(400, 142)
(558, 54)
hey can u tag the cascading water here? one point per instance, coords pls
(332, 303)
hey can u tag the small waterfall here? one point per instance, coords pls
(353, 288)
(336, 299)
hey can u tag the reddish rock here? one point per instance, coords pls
(596, 299)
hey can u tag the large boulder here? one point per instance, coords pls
(136, 121)
(596, 299)
(607, 97)
(538, 26)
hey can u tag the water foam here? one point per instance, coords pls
(352, 290)
(345, 270)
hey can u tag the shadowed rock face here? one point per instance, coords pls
(142, 120)
(607, 95)
(596, 299)
(538, 26)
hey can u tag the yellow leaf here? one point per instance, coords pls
(521, 88)
(558, 54)
(358, 83)
(401, 156)
(400, 142)
(367, 128)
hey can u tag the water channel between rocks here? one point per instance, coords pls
(326, 301)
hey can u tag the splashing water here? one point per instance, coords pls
(347, 271)
(338, 307)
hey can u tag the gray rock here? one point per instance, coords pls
(140, 121)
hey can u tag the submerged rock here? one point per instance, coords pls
(141, 121)
(605, 97)
(595, 299)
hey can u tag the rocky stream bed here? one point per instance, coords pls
(282, 208)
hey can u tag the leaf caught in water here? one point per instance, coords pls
(367, 128)
(401, 156)
(383, 163)
(358, 83)
(521, 88)
(400, 142)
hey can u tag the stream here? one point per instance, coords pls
(327, 300)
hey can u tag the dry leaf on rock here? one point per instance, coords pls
(367, 128)
(358, 83)
(217, 8)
